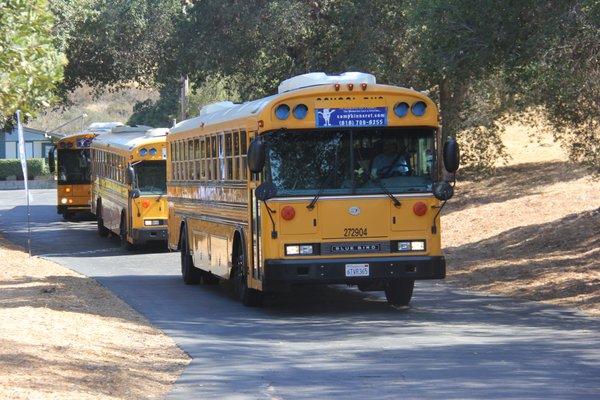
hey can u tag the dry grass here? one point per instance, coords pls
(532, 230)
(63, 336)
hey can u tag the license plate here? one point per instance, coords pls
(357, 270)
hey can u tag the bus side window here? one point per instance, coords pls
(228, 157)
(203, 159)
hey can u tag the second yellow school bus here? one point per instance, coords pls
(128, 184)
(73, 189)
(334, 180)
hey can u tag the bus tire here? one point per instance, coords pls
(249, 297)
(102, 230)
(123, 234)
(399, 291)
(190, 274)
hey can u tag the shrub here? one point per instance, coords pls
(35, 167)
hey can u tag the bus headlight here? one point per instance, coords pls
(143, 151)
(153, 151)
(63, 200)
(299, 249)
(152, 222)
(411, 245)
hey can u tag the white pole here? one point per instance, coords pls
(23, 158)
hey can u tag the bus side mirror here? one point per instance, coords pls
(130, 175)
(443, 191)
(256, 156)
(451, 155)
(51, 165)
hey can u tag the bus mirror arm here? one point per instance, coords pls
(134, 194)
(264, 192)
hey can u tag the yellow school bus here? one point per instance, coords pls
(73, 176)
(128, 184)
(334, 180)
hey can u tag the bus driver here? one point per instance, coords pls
(391, 161)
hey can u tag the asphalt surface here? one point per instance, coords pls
(329, 342)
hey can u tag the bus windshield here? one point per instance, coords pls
(351, 161)
(74, 166)
(151, 177)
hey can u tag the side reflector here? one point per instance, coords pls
(420, 208)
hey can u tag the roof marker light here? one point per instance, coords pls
(337, 87)
(363, 86)
(350, 86)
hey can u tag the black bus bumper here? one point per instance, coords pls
(149, 235)
(280, 274)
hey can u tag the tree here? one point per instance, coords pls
(30, 64)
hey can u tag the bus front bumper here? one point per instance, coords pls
(281, 273)
(149, 235)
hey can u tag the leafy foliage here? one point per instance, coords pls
(30, 64)
(35, 167)
(481, 61)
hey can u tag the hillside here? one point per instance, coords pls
(107, 105)
(531, 230)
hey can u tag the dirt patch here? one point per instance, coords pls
(64, 336)
(531, 230)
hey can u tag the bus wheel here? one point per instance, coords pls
(123, 234)
(191, 275)
(399, 292)
(249, 297)
(102, 230)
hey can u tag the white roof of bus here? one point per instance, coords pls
(129, 137)
(227, 111)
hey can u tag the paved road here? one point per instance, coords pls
(330, 342)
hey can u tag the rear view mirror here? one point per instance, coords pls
(451, 155)
(443, 191)
(51, 164)
(266, 191)
(256, 156)
(130, 176)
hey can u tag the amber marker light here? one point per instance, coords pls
(288, 213)
(337, 87)
(261, 124)
(350, 86)
(363, 86)
(420, 208)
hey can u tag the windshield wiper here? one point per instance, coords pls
(388, 193)
(322, 188)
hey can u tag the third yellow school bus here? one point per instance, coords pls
(331, 181)
(128, 184)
